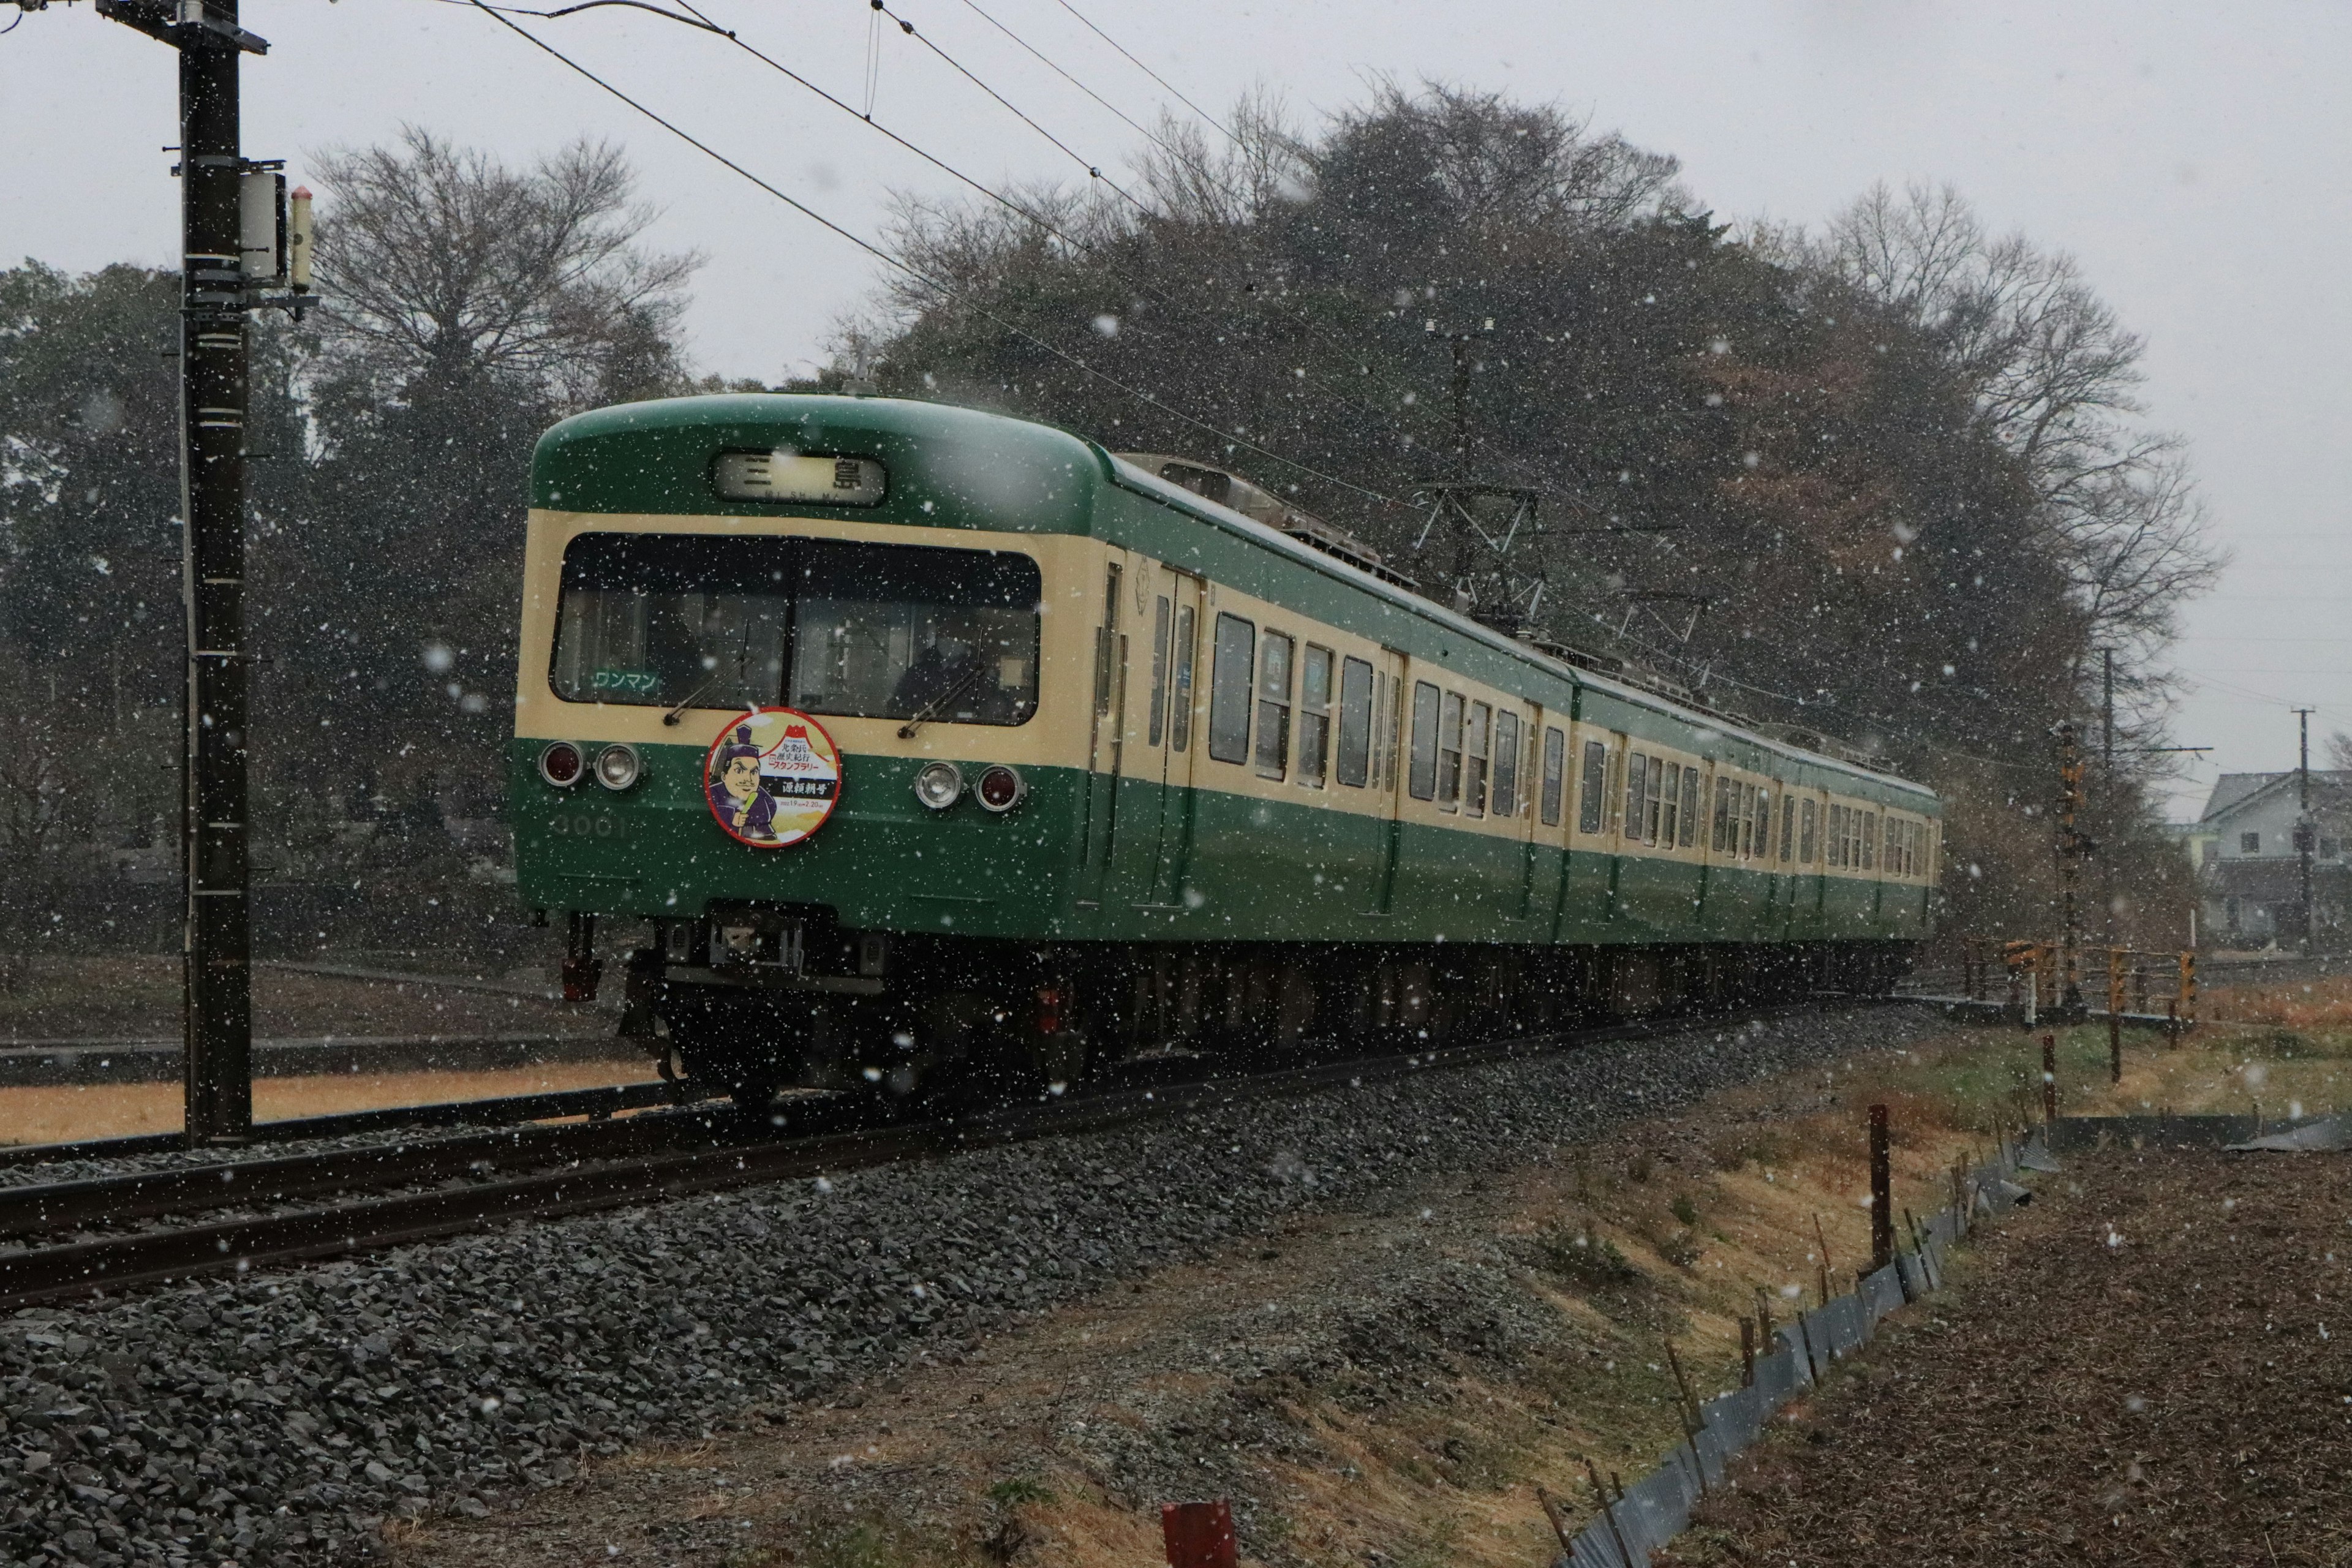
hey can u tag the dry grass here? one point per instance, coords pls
(65, 1113)
(2320, 1004)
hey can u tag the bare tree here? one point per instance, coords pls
(2339, 751)
(2054, 377)
(441, 261)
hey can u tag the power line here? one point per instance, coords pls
(702, 22)
(973, 7)
(907, 268)
(1147, 70)
(1094, 170)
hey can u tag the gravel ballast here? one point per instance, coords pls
(281, 1417)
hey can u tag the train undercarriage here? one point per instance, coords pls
(757, 999)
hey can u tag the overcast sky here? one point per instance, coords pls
(2195, 158)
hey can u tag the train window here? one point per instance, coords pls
(1555, 776)
(1593, 787)
(1449, 752)
(1313, 715)
(1805, 834)
(1355, 759)
(1690, 807)
(1179, 714)
(1764, 823)
(853, 630)
(1870, 841)
(1274, 662)
(1388, 714)
(1665, 802)
(1108, 653)
(1724, 836)
(1787, 826)
(1507, 764)
(1477, 735)
(1637, 784)
(1159, 630)
(1425, 704)
(1229, 689)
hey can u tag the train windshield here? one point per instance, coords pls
(829, 627)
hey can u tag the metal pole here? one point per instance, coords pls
(2114, 1015)
(2108, 782)
(1882, 1192)
(2303, 831)
(218, 982)
(2069, 988)
(2049, 1080)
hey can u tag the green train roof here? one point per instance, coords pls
(949, 467)
(963, 467)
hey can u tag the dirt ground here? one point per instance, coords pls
(63, 1112)
(139, 998)
(2149, 1366)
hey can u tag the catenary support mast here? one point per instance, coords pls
(219, 989)
(214, 297)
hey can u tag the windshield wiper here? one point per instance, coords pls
(687, 701)
(907, 731)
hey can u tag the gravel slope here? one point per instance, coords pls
(281, 1417)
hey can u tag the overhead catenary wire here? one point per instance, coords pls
(1147, 70)
(945, 290)
(1094, 170)
(701, 21)
(1049, 64)
(1025, 212)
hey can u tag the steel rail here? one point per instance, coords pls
(508, 1109)
(117, 1262)
(51, 1206)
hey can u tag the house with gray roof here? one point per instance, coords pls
(2245, 843)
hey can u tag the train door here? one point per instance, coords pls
(1155, 831)
(1585, 889)
(1538, 865)
(1387, 773)
(1107, 731)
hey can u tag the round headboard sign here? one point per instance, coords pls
(773, 777)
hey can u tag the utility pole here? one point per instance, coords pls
(2108, 782)
(2070, 847)
(222, 224)
(2305, 830)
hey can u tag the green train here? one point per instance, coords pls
(933, 746)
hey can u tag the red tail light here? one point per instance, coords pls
(1049, 1011)
(561, 763)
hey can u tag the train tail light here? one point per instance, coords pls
(1049, 1011)
(1000, 789)
(561, 763)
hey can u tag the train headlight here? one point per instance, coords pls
(617, 766)
(939, 786)
(1001, 788)
(561, 763)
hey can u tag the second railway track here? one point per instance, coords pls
(448, 1187)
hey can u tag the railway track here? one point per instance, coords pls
(402, 1193)
(498, 1110)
